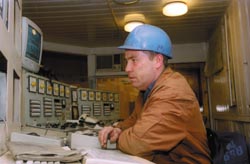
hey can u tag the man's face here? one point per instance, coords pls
(140, 68)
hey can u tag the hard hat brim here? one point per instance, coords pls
(124, 47)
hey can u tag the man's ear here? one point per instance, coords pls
(158, 60)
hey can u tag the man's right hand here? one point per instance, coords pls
(108, 133)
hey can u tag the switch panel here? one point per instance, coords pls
(47, 107)
(41, 84)
(32, 84)
(103, 105)
(35, 108)
(48, 88)
(97, 110)
(49, 103)
(86, 109)
(45, 102)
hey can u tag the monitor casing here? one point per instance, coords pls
(32, 45)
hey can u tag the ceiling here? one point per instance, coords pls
(99, 23)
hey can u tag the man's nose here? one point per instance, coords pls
(128, 67)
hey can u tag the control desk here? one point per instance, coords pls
(54, 105)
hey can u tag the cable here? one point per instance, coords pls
(113, 14)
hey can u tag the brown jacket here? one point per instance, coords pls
(168, 128)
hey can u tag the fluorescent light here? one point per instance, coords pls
(129, 26)
(132, 21)
(175, 8)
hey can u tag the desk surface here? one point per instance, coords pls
(113, 157)
(92, 153)
(100, 156)
(90, 146)
(7, 159)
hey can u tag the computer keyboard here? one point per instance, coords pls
(43, 162)
(36, 162)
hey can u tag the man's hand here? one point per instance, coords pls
(110, 133)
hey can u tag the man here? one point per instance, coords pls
(166, 125)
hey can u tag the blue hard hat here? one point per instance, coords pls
(150, 38)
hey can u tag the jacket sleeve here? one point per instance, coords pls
(130, 121)
(161, 126)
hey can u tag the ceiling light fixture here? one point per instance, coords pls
(175, 8)
(129, 26)
(132, 21)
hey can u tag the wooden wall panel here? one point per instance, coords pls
(229, 88)
(127, 92)
(223, 125)
(233, 126)
(238, 31)
(220, 88)
(247, 130)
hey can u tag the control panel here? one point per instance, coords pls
(103, 105)
(52, 104)
(45, 102)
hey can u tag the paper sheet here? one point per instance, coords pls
(95, 156)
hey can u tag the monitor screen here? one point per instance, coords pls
(33, 44)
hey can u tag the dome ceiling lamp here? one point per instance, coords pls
(175, 8)
(132, 21)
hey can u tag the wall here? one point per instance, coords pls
(230, 108)
(191, 52)
(182, 53)
(54, 64)
(10, 46)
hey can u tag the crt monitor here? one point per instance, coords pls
(32, 42)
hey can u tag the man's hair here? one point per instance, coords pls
(165, 61)
(152, 54)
